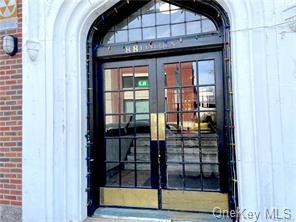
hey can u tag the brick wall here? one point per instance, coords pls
(11, 121)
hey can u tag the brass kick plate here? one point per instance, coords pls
(193, 201)
(129, 197)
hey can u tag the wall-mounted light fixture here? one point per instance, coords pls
(10, 45)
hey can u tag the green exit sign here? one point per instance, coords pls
(142, 82)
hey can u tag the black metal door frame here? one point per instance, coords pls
(219, 84)
(156, 105)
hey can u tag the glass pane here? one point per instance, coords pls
(189, 99)
(112, 174)
(112, 126)
(142, 95)
(173, 124)
(210, 177)
(189, 74)
(109, 38)
(112, 103)
(121, 25)
(127, 127)
(163, 31)
(112, 150)
(178, 29)
(143, 175)
(149, 33)
(175, 175)
(173, 100)
(162, 6)
(192, 178)
(191, 149)
(111, 79)
(142, 106)
(128, 106)
(174, 148)
(134, 21)
(162, 18)
(126, 145)
(141, 77)
(148, 8)
(126, 76)
(174, 157)
(127, 82)
(128, 176)
(177, 16)
(208, 26)
(148, 20)
(191, 16)
(135, 35)
(206, 72)
(172, 75)
(121, 36)
(207, 100)
(209, 150)
(193, 27)
(143, 150)
(190, 124)
(208, 122)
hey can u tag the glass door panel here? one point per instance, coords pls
(127, 101)
(192, 88)
(164, 132)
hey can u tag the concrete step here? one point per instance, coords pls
(112, 214)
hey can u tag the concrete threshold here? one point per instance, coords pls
(113, 214)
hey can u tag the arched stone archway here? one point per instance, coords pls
(54, 166)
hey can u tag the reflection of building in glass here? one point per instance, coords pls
(186, 88)
(127, 93)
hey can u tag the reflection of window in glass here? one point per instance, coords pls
(127, 82)
(111, 80)
(206, 72)
(188, 73)
(208, 122)
(207, 97)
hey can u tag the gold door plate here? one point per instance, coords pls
(157, 124)
(153, 126)
(193, 200)
(129, 197)
(161, 126)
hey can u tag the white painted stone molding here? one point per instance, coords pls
(33, 49)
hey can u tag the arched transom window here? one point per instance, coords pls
(159, 20)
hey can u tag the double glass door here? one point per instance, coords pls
(163, 141)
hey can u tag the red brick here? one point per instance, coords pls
(10, 120)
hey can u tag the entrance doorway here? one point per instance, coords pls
(158, 120)
(164, 133)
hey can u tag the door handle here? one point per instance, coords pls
(157, 124)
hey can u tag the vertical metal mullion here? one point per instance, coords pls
(199, 131)
(181, 114)
(119, 133)
(141, 17)
(170, 22)
(155, 17)
(135, 127)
